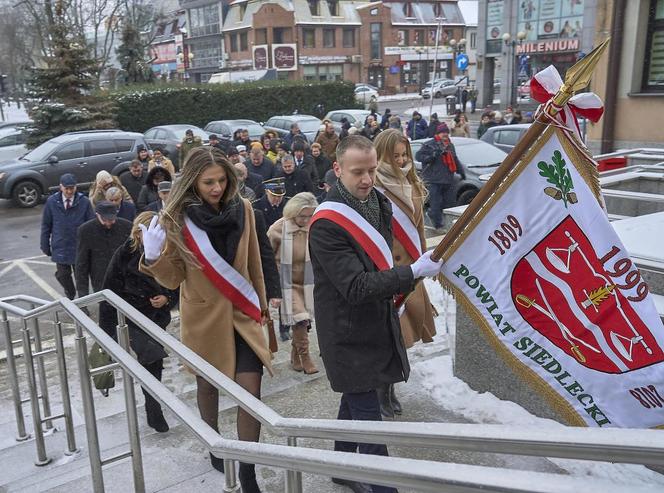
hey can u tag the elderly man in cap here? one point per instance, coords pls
(163, 191)
(439, 163)
(63, 213)
(97, 241)
(188, 143)
(272, 203)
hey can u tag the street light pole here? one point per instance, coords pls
(435, 62)
(511, 65)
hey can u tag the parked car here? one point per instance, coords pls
(364, 92)
(354, 117)
(20, 123)
(440, 89)
(12, 143)
(477, 158)
(309, 125)
(524, 90)
(168, 139)
(226, 128)
(505, 137)
(26, 179)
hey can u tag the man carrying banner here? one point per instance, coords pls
(355, 283)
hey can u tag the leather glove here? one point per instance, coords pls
(425, 267)
(154, 238)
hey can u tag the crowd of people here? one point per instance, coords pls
(277, 219)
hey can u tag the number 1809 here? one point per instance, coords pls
(509, 232)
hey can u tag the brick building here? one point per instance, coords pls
(388, 44)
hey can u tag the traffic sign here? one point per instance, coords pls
(462, 61)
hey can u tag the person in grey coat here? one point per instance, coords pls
(63, 213)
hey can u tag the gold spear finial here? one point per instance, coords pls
(578, 77)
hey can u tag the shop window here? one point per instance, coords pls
(244, 44)
(333, 5)
(310, 72)
(309, 38)
(408, 9)
(233, 38)
(328, 38)
(260, 37)
(323, 72)
(349, 38)
(376, 38)
(653, 74)
(314, 7)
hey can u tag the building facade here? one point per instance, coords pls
(518, 38)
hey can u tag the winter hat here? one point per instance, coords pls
(103, 177)
(441, 128)
(164, 186)
(330, 177)
(68, 180)
(241, 148)
(106, 210)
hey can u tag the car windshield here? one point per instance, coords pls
(479, 154)
(42, 152)
(309, 125)
(180, 131)
(253, 128)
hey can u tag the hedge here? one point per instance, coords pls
(140, 108)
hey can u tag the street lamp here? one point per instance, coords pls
(457, 49)
(419, 51)
(510, 46)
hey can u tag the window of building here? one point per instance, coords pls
(308, 38)
(233, 43)
(438, 9)
(323, 72)
(473, 41)
(349, 38)
(243, 10)
(418, 38)
(314, 7)
(204, 21)
(244, 44)
(328, 38)
(160, 29)
(408, 9)
(333, 5)
(376, 38)
(402, 37)
(208, 53)
(653, 74)
(260, 37)
(279, 34)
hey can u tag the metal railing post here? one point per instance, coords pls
(22, 435)
(42, 459)
(230, 477)
(89, 411)
(130, 406)
(41, 370)
(293, 478)
(64, 386)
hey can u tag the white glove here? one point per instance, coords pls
(154, 238)
(425, 267)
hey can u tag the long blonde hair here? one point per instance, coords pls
(385, 143)
(136, 236)
(298, 202)
(184, 194)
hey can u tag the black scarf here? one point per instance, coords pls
(223, 228)
(369, 209)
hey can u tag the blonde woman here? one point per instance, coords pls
(207, 242)
(289, 237)
(148, 297)
(397, 179)
(103, 181)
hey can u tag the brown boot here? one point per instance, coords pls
(295, 361)
(302, 345)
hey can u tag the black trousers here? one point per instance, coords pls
(64, 273)
(362, 406)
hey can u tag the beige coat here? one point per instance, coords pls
(165, 163)
(207, 318)
(417, 320)
(98, 194)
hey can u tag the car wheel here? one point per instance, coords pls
(26, 194)
(467, 196)
(438, 95)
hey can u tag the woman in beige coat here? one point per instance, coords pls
(289, 237)
(103, 181)
(228, 337)
(397, 179)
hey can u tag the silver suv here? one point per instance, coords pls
(26, 179)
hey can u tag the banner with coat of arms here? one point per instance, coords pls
(542, 271)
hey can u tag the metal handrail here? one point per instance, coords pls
(631, 446)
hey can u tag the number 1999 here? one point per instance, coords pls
(508, 233)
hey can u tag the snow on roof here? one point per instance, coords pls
(469, 11)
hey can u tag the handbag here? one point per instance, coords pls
(98, 358)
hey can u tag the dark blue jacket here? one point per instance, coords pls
(265, 170)
(417, 129)
(127, 211)
(58, 229)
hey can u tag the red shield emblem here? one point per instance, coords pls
(563, 290)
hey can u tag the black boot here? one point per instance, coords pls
(154, 414)
(356, 486)
(396, 405)
(384, 400)
(217, 463)
(248, 478)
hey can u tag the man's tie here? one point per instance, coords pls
(67, 204)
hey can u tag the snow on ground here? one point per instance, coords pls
(13, 113)
(455, 395)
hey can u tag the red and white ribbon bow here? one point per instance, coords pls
(546, 83)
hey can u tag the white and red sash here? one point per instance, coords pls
(404, 229)
(371, 241)
(220, 273)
